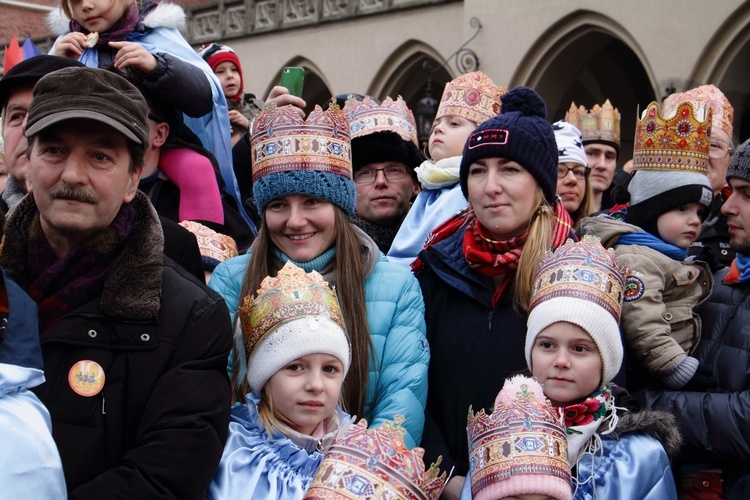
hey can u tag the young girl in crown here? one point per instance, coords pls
(573, 349)
(295, 355)
(467, 101)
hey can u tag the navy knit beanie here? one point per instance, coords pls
(520, 133)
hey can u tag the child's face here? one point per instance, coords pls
(98, 15)
(566, 361)
(681, 226)
(306, 390)
(448, 136)
(229, 76)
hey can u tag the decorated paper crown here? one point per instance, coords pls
(583, 270)
(290, 294)
(521, 448)
(282, 141)
(602, 123)
(367, 117)
(702, 97)
(375, 463)
(678, 142)
(214, 247)
(473, 96)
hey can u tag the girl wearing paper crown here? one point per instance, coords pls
(294, 356)
(467, 101)
(477, 269)
(302, 181)
(573, 349)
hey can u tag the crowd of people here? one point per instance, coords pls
(205, 295)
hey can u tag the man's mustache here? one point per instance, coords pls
(72, 193)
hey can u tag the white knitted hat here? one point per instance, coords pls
(569, 143)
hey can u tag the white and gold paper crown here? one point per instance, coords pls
(705, 96)
(282, 141)
(602, 123)
(678, 142)
(521, 447)
(367, 117)
(375, 463)
(473, 96)
(292, 293)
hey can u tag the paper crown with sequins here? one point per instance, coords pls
(521, 447)
(601, 124)
(473, 96)
(701, 98)
(375, 463)
(678, 141)
(367, 117)
(291, 294)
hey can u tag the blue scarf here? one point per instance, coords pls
(649, 240)
(315, 264)
(743, 266)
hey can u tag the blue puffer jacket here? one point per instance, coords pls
(395, 315)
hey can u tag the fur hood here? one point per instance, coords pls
(163, 15)
(660, 425)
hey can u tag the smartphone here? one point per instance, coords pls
(293, 79)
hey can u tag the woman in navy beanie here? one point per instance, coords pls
(477, 269)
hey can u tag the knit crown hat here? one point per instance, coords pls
(215, 54)
(580, 283)
(521, 448)
(521, 134)
(569, 143)
(310, 157)
(292, 315)
(739, 165)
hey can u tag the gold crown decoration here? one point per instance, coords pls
(523, 437)
(473, 96)
(602, 123)
(214, 247)
(291, 294)
(375, 463)
(282, 141)
(367, 117)
(678, 142)
(583, 270)
(702, 97)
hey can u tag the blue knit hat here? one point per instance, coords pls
(292, 156)
(521, 134)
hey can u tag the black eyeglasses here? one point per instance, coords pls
(719, 149)
(579, 172)
(368, 175)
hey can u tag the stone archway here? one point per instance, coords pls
(315, 91)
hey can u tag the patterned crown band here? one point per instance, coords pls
(524, 436)
(680, 142)
(583, 270)
(702, 97)
(473, 96)
(375, 463)
(602, 123)
(282, 141)
(291, 294)
(367, 117)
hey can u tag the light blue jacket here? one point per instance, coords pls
(397, 381)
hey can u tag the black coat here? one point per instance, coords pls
(158, 427)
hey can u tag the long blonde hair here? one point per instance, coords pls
(350, 289)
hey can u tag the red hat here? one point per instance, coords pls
(215, 54)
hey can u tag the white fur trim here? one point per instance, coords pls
(597, 322)
(57, 21)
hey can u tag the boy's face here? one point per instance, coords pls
(681, 226)
(566, 361)
(448, 136)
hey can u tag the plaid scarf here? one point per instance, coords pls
(60, 286)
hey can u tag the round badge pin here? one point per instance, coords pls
(86, 378)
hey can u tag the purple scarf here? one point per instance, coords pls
(122, 28)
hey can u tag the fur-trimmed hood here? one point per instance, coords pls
(133, 287)
(163, 15)
(660, 425)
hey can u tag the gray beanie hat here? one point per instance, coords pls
(739, 166)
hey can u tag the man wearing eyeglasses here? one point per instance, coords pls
(714, 238)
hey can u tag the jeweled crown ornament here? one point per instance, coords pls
(583, 270)
(521, 447)
(283, 141)
(678, 141)
(367, 117)
(473, 96)
(701, 98)
(375, 463)
(601, 124)
(290, 294)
